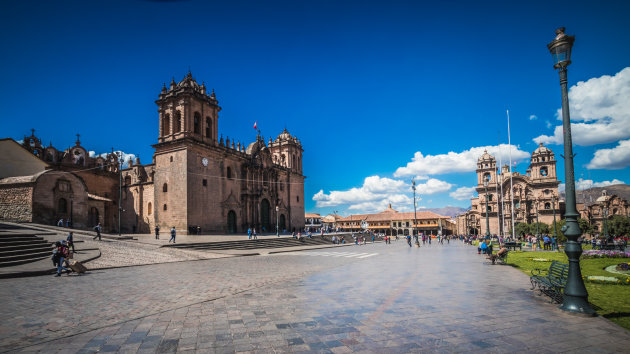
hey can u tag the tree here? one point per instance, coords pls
(582, 223)
(522, 229)
(619, 225)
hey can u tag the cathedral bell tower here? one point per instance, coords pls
(543, 164)
(486, 170)
(187, 110)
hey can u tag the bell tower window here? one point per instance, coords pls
(166, 124)
(208, 127)
(197, 123)
(544, 171)
(178, 122)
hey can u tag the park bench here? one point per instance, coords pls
(495, 257)
(553, 283)
(513, 245)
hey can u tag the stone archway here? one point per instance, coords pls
(265, 215)
(282, 223)
(231, 222)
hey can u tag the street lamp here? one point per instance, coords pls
(277, 230)
(575, 297)
(537, 224)
(605, 223)
(335, 212)
(415, 218)
(554, 199)
(120, 162)
(485, 185)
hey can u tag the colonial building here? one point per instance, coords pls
(605, 207)
(197, 179)
(534, 195)
(312, 222)
(391, 223)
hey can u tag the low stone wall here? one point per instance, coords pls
(16, 203)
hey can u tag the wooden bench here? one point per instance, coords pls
(553, 283)
(513, 245)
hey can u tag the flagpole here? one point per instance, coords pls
(511, 185)
(502, 206)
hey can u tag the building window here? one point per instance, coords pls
(171, 158)
(197, 123)
(149, 208)
(127, 180)
(298, 198)
(208, 127)
(490, 197)
(166, 124)
(229, 173)
(205, 182)
(543, 171)
(547, 206)
(64, 186)
(164, 207)
(165, 188)
(178, 122)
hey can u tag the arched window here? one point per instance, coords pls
(171, 158)
(197, 123)
(164, 207)
(489, 208)
(229, 173)
(547, 206)
(62, 206)
(486, 177)
(490, 197)
(178, 122)
(208, 127)
(149, 208)
(544, 171)
(127, 180)
(165, 188)
(166, 124)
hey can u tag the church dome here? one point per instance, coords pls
(285, 135)
(541, 150)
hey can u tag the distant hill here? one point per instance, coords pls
(590, 195)
(446, 211)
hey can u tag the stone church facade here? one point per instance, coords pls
(535, 195)
(197, 181)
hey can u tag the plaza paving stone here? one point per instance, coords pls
(442, 298)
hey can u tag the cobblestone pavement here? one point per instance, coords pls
(443, 298)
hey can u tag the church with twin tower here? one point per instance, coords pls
(199, 181)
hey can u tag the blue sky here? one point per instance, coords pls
(378, 92)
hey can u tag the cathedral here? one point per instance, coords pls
(197, 181)
(534, 195)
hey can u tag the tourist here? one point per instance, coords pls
(157, 232)
(249, 233)
(70, 240)
(534, 243)
(62, 255)
(60, 222)
(254, 235)
(334, 240)
(547, 242)
(173, 234)
(97, 228)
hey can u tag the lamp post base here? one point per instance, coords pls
(577, 305)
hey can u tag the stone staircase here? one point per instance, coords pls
(20, 246)
(262, 243)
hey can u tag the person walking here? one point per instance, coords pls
(70, 240)
(249, 233)
(62, 255)
(254, 234)
(157, 232)
(60, 222)
(173, 234)
(97, 228)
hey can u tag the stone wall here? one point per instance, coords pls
(16, 203)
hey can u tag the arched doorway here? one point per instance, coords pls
(283, 222)
(231, 222)
(93, 217)
(264, 215)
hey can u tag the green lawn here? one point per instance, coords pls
(613, 300)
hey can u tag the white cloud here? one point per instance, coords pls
(612, 159)
(548, 124)
(465, 161)
(375, 190)
(433, 186)
(582, 184)
(533, 117)
(463, 193)
(126, 157)
(600, 111)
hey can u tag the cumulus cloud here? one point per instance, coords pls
(374, 190)
(612, 159)
(463, 193)
(433, 186)
(533, 117)
(600, 111)
(582, 184)
(465, 161)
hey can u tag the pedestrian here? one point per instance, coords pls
(334, 240)
(60, 222)
(157, 232)
(409, 240)
(173, 233)
(198, 230)
(254, 234)
(429, 237)
(70, 240)
(62, 254)
(249, 233)
(97, 228)
(372, 238)
(67, 222)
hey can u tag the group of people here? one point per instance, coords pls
(61, 253)
(173, 233)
